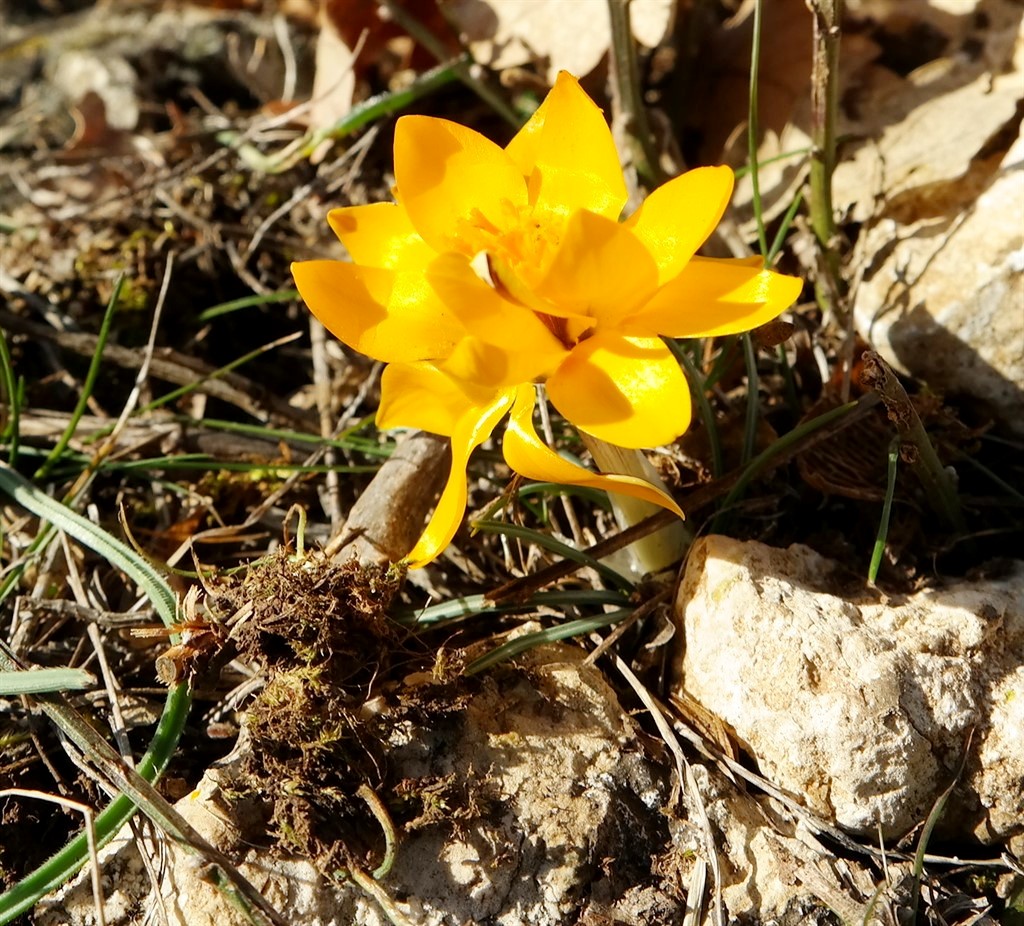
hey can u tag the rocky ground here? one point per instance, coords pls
(760, 735)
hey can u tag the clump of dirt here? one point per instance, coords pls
(331, 620)
(346, 682)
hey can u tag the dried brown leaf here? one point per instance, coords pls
(570, 36)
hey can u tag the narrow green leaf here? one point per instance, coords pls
(555, 546)
(753, 129)
(472, 605)
(92, 536)
(549, 635)
(224, 308)
(883, 524)
(10, 395)
(62, 866)
(758, 464)
(753, 415)
(34, 681)
(88, 385)
(700, 396)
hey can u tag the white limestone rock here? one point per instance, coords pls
(937, 185)
(862, 707)
(942, 297)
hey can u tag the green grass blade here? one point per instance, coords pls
(377, 107)
(468, 72)
(723, 361)
(595, 497)
(36, 681)
(549, 635)
(700, 397)
(555, 546)
(349, 439)
(95, 538)
(938, 809)
(1010, 490)
(11, 395)
(792, 399)
(753, 129)
(743, 170)
(224, 308)
(883, 524)
(753, 403)
(758, 464)
(625, 72)
(384, 104)
(473, 605)
(780, 235)
(203, 463)
(176, 394)
(88, 385)
(59, 868)
(9, 582)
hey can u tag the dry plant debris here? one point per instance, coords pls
(353, 730)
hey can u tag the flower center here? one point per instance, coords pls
(524, 239)
(559, 327)
(512, 255)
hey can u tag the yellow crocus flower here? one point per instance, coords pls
(498, 269)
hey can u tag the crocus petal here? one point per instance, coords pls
(713, 297)
(380, 235)
(529, 456)
(600, 270)
(451, 178)
(624, 390)
(678, 217)
(389, 315)
(472, 429)
(568, 156)
(483, 311)
(419, 395)
(499, 367)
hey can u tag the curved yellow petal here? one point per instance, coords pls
(388, 315)
(712, 297)
(495, 367)
(624, 390)
(483, 312)
(380, 235)
(419, 395)
(529, 456)
(678, 217)
(472, 429)
(568, 156)
(599, 270)
(453, 182)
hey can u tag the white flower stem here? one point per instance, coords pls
(656, 551)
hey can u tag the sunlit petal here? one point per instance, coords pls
(388, 315)
(419, 395)
(518, 289)
(713, 297)
(484, 312)
(624, 390)
(380, 235)
(678, 217)
(567, 153)
(499, 367)
(472, 429)
(499, 269)
(529, 456)
(600, 270)
(450, 177)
